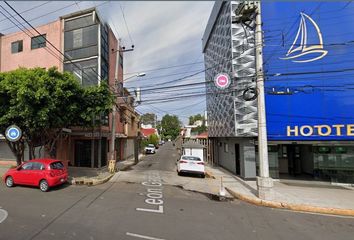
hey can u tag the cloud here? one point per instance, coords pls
(164, 34)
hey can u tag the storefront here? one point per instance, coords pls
(308, 90)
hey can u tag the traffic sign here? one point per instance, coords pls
(222, 80)
(13, 133)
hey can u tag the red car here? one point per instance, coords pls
(44, 173)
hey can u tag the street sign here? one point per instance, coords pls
(222, 80)
(13, 133)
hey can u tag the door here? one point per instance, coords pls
(37, 173)
(237, 159)
(83, 153)
(294, 160)
(22, 175)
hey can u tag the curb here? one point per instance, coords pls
(90, 181)
(125, 167)
(292, 206)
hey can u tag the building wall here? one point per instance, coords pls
(129, 148)
(227, 156)
(229, 48)
(31, 58)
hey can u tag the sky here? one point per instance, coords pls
(164, 34)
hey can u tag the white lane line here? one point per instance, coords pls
(3, 215)
(142, 236)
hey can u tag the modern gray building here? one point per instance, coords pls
(232, 122)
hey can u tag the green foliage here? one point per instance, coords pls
(153, 139)
(170, 126)
(148, 118)
(193, 119)
(199, 129)
(41, 102)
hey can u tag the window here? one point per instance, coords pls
(17, 46)
(226, 147)
(38, 41)
(121, 60)
(26, 166)
(37, 166)
(56, 165)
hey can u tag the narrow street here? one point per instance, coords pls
(131, 209)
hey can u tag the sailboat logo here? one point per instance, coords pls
(300, 51)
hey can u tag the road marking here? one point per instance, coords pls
(3, 215)
(154, 193)
(142, 236)
(160, 210)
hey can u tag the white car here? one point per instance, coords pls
(191, 164)
(150, 149)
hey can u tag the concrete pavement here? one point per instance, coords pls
(291, 194)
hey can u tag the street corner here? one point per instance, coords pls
(291, 206)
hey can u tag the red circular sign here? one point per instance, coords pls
(222, 80)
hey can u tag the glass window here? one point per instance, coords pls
(27, 166)
(226, 147)
(17, 46)
(57, 165)
(82, 52)
(83, 37)
(37, 166)
(78, 23)
(38, 41)
(84, 71)
(121, 60)
(191, 158)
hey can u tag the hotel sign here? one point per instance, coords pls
(320, 130)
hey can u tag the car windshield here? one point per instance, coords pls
(151, 145)
(191, 158)
(57, 165)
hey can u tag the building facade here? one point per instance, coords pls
(91, 54)
(309, 104)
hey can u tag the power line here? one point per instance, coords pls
(30, 9)
(162, 68)
(126, 25)
(28, 33)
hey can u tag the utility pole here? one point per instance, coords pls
(264, 182)
(245, 13)
(113, 160)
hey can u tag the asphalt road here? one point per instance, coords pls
(120, 210)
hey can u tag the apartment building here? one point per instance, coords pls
(92, 54)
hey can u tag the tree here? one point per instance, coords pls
(153, 139)
(43, 102)
(170, 126)
(199, 129)
(148, 118)
(193, 119)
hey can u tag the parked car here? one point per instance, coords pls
(150, 149)
(43, 173)
(191, 164)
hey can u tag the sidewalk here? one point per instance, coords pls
(291, 194)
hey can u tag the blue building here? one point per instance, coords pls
(308, 56)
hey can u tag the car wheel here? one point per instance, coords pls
(202, 175)
(43, 186)
(9, 182)
(179, 173)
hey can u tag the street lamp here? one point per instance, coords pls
(137, 75)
